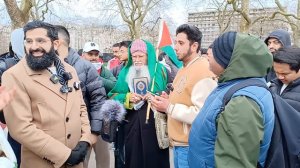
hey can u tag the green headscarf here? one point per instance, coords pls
(121, 89)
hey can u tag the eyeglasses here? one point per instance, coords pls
(38, 41)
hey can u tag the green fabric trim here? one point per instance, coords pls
(121, 88)
(108, 79)
(250, 58)
(239, 133)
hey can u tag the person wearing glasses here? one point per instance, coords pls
(48, 116)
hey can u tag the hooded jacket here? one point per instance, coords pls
(17, 42)
(92, 88)
(107, 78)
(240, 135)
(284, 38)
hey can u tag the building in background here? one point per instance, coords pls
(5, 38)
(207, 22)
(105, 36)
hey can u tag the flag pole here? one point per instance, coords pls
(153, 80)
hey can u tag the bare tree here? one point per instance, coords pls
(242, 7)
(138, 15)
(292, 19)
(133, 12)
(41, 8)
(28, 9)
(223, 13)
(18, 16)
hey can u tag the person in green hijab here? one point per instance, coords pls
(142, 74)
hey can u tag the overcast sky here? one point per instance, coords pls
(87, 9)
(81, 9)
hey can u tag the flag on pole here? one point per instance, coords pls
(164, 38)
(165, 44)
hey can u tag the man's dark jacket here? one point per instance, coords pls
(290, 94)
(92, 88)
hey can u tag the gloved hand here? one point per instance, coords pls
(78, 153)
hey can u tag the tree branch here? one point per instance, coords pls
(44, 4)
(243, 13)
(122, 12)
(26, 5)
(46, 10)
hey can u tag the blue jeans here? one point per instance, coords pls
(180, 156)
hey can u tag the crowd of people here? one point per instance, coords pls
(52, 95)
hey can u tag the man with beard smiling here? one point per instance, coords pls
(48, 117)
(141, 145)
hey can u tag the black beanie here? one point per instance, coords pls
(223, 48)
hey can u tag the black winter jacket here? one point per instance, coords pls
(92, 88)
(285, 39)
(116, 70)
(290, 94)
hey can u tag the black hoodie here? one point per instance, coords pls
(284, 38)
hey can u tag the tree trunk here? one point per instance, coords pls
(244, 24)
(15, 14)
(19, 16)
(296, 30)
(138, 29)
(296, 37)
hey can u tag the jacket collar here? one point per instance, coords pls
(43, 78)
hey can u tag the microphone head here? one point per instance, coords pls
(112, 110)
(67, 76)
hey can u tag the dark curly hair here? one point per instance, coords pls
(192, 32)
(51, 30)
(290, 56)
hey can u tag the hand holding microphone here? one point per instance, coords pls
(112, 113)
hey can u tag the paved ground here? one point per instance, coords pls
(92, 163)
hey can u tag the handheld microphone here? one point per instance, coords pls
(112, 113)
(112, 110)
(67, 76)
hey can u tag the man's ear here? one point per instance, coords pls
(56, 44)
(195, 46)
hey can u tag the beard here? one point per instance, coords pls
(184, 56)
(137, 72)
(41, 62)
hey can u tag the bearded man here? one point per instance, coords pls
(142, 73)
(48, 117)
